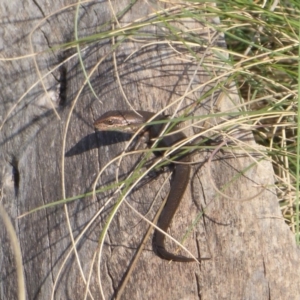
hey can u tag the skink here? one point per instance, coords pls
(129, 122)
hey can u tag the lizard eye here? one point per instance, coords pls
(109, 122)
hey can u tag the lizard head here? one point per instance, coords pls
(115, 120)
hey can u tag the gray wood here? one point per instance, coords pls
(253, 254)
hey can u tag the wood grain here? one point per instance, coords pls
(253, 254)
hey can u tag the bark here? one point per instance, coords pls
(253, 253)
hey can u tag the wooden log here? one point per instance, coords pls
(47, 156)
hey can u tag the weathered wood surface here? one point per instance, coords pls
(254, 255)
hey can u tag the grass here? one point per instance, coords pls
(269, 37)
(261, 59)
(263, 51)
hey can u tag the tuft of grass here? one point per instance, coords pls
(263, 41)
